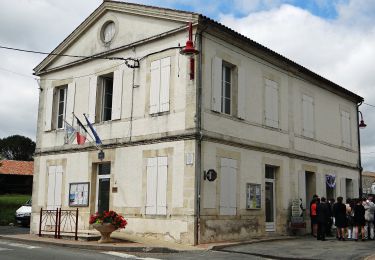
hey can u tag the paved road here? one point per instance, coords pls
(13, 230)
(10, 250)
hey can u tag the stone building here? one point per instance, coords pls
(368, 182)
(268, 129)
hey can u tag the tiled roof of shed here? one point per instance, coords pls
(16, 167)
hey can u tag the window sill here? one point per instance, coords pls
(160, 114)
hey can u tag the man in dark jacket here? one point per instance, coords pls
(323, 215)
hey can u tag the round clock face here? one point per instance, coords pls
(108, 32)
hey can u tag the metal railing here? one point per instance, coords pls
(58, 221)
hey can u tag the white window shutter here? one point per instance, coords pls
(51, 188)
(272, 104)
(343, 188)
(345, 129)
(70, 102)
(161, 203)
(242, 87)
(117, 94)
(155, 87)
(58, 186)
(308, 116)
(217, 67)
(165, 84)
(355, 192)
(228, 187)
(92, 98)
(48, 109)
(152, 172)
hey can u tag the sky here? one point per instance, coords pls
(333, 38)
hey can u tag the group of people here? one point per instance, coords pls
(351, 219)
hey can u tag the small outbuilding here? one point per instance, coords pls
(16, 177)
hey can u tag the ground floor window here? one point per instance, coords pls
(157, 180)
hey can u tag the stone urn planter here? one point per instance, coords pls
(105, 230)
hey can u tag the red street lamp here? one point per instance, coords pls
(189, 50)
(362, 123)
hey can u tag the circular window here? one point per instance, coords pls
(108, 31)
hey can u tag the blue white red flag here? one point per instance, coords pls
(97, 138)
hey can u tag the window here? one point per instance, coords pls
(345, 129)
(54, 187)
(226, 89)
(160, 83)
(105, 92)
(271, 104)
(228, 187)
(60, 101)
(308, 116)
(157, 180)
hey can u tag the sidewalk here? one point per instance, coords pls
(131, 243)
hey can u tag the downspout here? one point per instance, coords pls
(198, 138)
(359, 152)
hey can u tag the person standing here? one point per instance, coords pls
(323, 215)
(339, 213)
(369, 217)
(350, 217)
(314, 223)
(359, 219)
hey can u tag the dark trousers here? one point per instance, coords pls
(321, 230)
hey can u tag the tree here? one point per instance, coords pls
(17, 147)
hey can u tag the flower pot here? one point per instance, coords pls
(105, 230)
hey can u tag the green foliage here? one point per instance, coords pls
(9, 203)
(17, 147)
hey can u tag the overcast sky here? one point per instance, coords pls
(334, 38)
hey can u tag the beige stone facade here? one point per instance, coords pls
(258, 120)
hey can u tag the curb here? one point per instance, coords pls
(221, 247)
(140, 249)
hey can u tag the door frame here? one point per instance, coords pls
(273, 181)
(98, 177)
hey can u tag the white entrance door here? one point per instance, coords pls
(103, 187)
(270, 211)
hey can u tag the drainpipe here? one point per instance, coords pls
(198, 138)
(359, 152)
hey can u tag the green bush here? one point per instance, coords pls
(9, 203)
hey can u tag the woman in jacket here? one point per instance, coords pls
(359, 219)
(339, 213)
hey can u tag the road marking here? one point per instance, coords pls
(19, 245)
(127, 256)
(5, 249)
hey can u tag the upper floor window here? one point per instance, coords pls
(345, 129)
(60, 106)
(271, 103)
(160, 84)
(226, 89)
(105, 93)
(308, 116)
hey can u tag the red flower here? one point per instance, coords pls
(108, 217)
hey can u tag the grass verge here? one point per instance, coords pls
(9, 203)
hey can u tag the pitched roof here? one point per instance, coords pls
(262, 51)
(16, 167)
(368, 174)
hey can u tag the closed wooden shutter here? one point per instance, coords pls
(117, 94)
(342, 192)
(355, 191)
(92, 98)
(242, 95)
(308, 116)
(302, 188)
(51, 188)
(70, 102)
(152, 171)
(272, 104)
(155, 87)
(48, 109)
(58, 186)
(217, 66)
(345, 129)
(164, 84)
(161, 207)
(228, 187)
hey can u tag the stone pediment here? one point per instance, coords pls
(130, 23)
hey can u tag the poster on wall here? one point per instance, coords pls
(79, 194)
(253, 196)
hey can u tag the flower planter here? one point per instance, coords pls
(105, 230)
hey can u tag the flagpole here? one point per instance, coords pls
(92, 138)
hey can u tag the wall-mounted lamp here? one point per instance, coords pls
(189, 50)
(362, 123)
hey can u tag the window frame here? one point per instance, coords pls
(56, 106)
(224, 69)
(103, 111)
